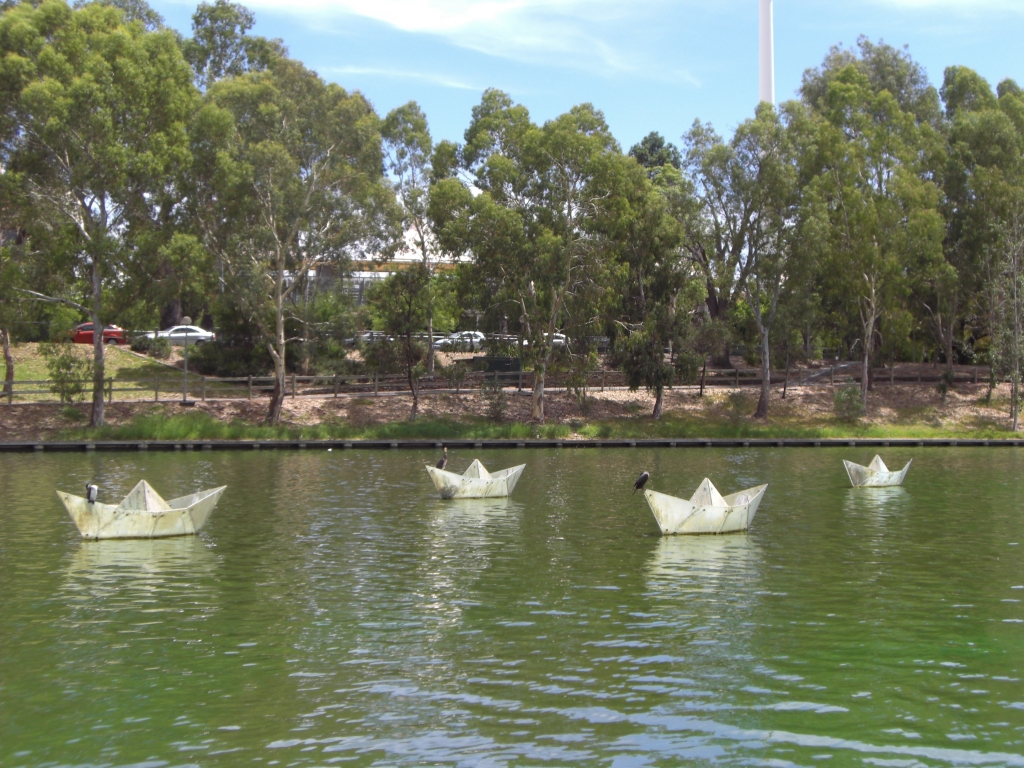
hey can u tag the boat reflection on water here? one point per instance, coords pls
(699, 563)
(141, 569)
(884, 500)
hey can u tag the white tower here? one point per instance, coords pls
(767, 52)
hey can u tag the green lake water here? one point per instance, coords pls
(335, 611)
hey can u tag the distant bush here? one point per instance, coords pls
(493, 394)
(217, 359)
(69, 370)
(454, 374)
(848, 402)
(145, 345)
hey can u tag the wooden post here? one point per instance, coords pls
(520, 377)
(374, 383)
(832, 375)
(110, 390)
(250, 387)
(202, 391)
(604, 377)
(737, 384)
(156, 390)
(335, 385)
(295, 389)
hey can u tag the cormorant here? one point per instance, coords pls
(443, 461)
(91, 491)
(641, 481)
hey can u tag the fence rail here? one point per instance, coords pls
(168, 389)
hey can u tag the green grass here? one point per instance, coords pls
(201, 426)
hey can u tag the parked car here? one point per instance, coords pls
(180, 335)
(462, 341)
(112, 334)
(557, 340)
(368, 337)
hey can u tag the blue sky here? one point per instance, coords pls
(648, 64)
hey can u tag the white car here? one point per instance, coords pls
(470, 341)
(180, 335)
(557, 340)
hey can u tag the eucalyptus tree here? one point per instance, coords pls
(93, 116)
(533, 228)
(741, 236)
(871, 212)
(289, 181)
(407, 156)
(1008, 332)
(402, 305)
(885, 68)
(981, 176)
(220, 45)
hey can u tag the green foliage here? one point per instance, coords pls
(848, 403)
(383, 357)
(654, 152)
(492, 391)
(69, 369)
(454, 373)
(158, 347)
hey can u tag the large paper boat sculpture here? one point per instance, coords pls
(707, 511)
(875, 474)
(142, 515)
(476, 482)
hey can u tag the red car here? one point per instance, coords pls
(82, 334)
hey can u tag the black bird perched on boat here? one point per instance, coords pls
(641, 481)
(91, 490)
(443, 461)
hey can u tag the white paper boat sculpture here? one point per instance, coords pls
(875, 474)
(142, 515)
(707, 511)
(476, 482)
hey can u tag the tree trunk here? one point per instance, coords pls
(413, 384)
(430, 339)
(5, 335)
(658, 404)
(98, 372)
(277, 353)
(171, 314)
(766, 377)
(537, 414)
(1015, 400)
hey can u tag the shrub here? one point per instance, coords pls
(454, 374)
(159, 348)
(493, 394)
(69, 370)
(218, 359)
(946, 383)
(848, 403)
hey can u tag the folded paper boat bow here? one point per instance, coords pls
(142, 515)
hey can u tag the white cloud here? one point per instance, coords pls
(971, 7)
(396, 74)
(576, 33)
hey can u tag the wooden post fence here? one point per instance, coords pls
(250, 387)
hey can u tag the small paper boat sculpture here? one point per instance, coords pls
(476, 482)
(875, 474)
(707, 511)
(142, 515)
